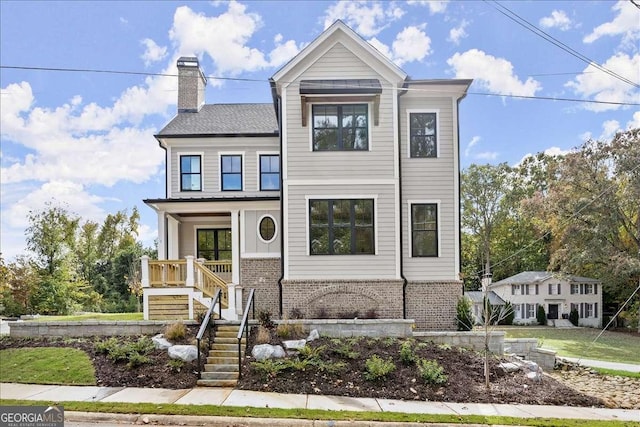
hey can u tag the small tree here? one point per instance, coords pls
(509, 314)
(573, 317)
(541, 316)
(464, 316)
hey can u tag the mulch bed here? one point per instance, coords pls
(464, 370)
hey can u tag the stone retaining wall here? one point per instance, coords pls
(89, 328)
(340, 328)
(472, 340)
(527, 348)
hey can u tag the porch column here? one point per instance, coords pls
(162, 236)
(235, 249)
(190, 276)
(144, 271)
(172, 238)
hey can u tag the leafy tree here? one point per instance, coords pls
(464, 316)
(18, 282)
(541, 316)
(51, 236)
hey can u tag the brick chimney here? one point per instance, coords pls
(191, 84)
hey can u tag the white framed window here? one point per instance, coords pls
(531, 311)
(191, 171)
(267, 228)
(423, 128)
(231, 171)
(340, 127)
(268, 171)
(575, 288)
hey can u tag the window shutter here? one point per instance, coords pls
(559, 288)
(581, 288)
(513, 289)
(537, 289)
(595, 310)
(595, 288)
(550, 290)
(582, 310)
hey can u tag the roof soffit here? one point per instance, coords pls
(339, 32)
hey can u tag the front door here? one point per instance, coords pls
(553, 311)
(214, 244)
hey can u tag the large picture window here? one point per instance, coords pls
(214, 244)
(423, 138)
(190, 173)
(424, 230)
(341, 227)
(340, 127)
(231, 167)
(269, 172)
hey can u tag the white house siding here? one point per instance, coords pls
(430, 180)
(210, 149)
(302, 162)
(254, 246)
(301, 265)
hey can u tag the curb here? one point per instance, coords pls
(194, 420)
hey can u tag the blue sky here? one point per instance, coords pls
(85, 139)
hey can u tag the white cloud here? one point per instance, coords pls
(634, 122)
(435, 6)
(366, 18)
(625, 23)
(597, 85)
(474, 141)
(493, 74)
(557, 19)
(153, 52)
(609, 129)
(458, 33)
(381, 47)
(224, 38)
(487, 155)
(283, 52)
(411, 44)
(551, 151)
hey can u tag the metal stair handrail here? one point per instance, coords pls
(244, 328)
(206, 324)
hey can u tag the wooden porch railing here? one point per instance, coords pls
(222, 269)
(167, 273)
(208, 282)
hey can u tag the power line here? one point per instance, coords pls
(149, 74)
(529, 26)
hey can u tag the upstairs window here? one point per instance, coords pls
(423, 138)
(269, 172)
(424, 230)
(341, 227)
(340, 127)
(190, 173)
(231, 167)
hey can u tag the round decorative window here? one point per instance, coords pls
(267, 229)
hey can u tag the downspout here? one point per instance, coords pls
(405, 282)
(459, 266)
(277, 103)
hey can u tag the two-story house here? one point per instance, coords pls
(557, 294)
(341, 196)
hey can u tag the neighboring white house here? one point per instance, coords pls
(340, 196)
(557, 293)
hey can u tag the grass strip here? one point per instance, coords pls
(617, 373)
(46, 365)
(90, 316)
(313, 414)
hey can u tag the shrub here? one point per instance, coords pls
(135, 353)
(371, 313)
(175, 365)
(175, 331)
(507, 314)
(378, 368)
(574, 317)
(137, 359)
(264, 335)
(343, 349)
(332, 368)
(541, 316)
(406, 353)
(296, 313)
(286, 330)
(270, 368)
(311, 353)
(431, 372)
(464, 316)
(264, 317)
(348, 314)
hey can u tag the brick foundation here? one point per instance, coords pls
(433, 304)
(339, 297)
(261, 274)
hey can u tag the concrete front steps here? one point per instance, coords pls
(221, 369)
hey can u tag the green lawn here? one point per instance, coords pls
(46, 365)
(578, 342)
(91, 316)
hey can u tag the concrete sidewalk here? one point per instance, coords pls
(244, 398)
(629, 367)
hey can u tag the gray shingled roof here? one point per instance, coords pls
(535, 276)
(224, 119)
(476, 297)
